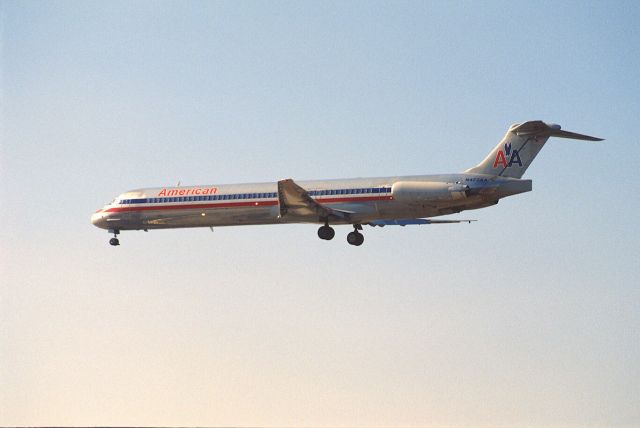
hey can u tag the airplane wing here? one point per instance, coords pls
(294, 200)
(409, 221)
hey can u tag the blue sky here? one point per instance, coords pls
(529, 317)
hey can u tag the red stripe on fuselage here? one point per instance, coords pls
(239, 204)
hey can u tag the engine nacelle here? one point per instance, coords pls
(428, 191)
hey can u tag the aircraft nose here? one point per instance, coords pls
(97, 219)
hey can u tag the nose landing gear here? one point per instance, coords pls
(114, 241)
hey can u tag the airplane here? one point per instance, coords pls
(381, 201)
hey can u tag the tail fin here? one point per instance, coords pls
(513, 155)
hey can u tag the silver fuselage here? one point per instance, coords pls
(366, 199)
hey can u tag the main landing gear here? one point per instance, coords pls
(114, 241)
(355, 238)
(327, 233)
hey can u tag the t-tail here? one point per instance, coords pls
(519, 147)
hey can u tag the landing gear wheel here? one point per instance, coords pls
(355, 238)
(326, 232)
(114, 241)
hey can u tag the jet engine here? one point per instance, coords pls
(428, 191)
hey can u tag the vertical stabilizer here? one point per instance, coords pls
(519, 147)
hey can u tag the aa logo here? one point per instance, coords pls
(507, 157)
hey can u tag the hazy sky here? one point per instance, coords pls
(529, 317)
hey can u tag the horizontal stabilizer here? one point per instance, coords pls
(540, 128)
(574, 136)
(411, 221)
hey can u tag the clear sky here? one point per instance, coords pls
(529, 317)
